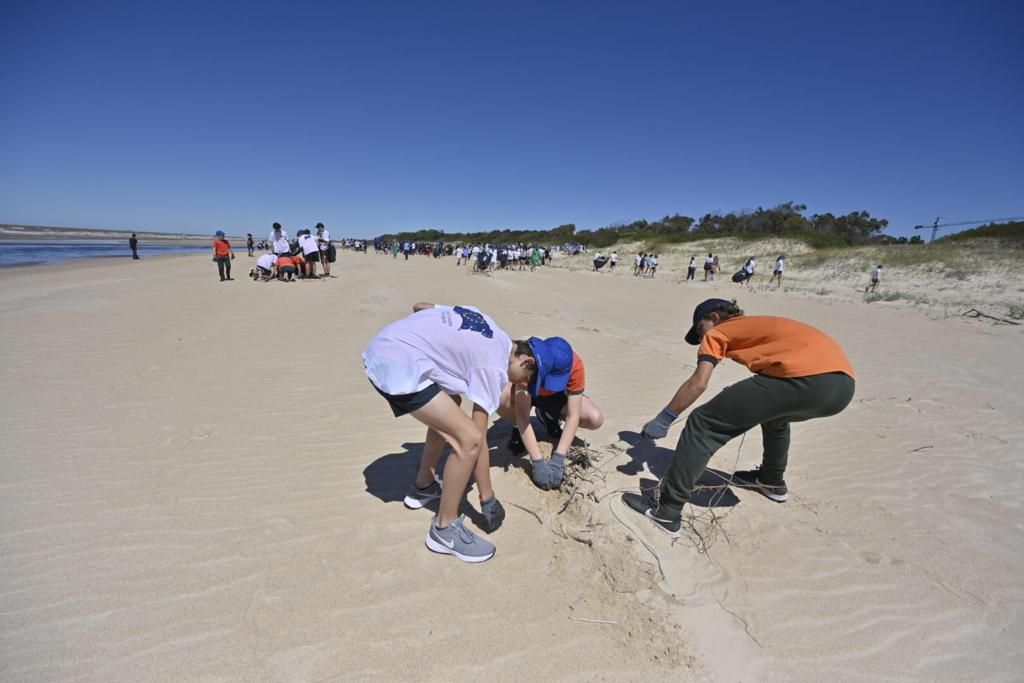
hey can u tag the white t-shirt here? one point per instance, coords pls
(279, 241)
(324, 237)
(615, 257)
(267, 261)
(308, 244)
(639, 259)
(779, 265)
(876, 274)
(456, 347)
(709, 261)
(750, 266)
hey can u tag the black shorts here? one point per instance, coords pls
(402, 404)
(312, 258)
(287, 269)
(552, 404)
(265, 271)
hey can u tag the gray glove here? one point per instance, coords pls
(658, 427)
(494, 513)
(544, 474)
(557, 468)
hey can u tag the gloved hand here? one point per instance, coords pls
(494, 513)
(658, 427)
(542, 474)
(557, 468)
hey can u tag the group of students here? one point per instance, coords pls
(290, 260)
(424, 363)
(645, 265)
(490, 257)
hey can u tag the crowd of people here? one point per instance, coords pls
(423, 364)
(289, 259)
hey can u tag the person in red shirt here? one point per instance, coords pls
(286, 268)
(801, 374)
(222, 255)
(556, 391)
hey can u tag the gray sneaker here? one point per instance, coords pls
(418, 498)
(455, 539)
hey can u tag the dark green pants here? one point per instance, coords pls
(771, 402)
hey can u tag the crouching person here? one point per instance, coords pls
(801, 374)
(556, 391)
(421, 364)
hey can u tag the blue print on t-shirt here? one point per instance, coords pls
(471, 320)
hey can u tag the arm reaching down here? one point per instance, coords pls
(684, 397)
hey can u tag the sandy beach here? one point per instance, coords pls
(199, 484)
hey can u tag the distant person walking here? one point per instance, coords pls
(780, 263)
(249, 244)
(614, 260)
(876, 275)
(715, 268)
(133, 243)
(748, 270)
(708, 263)
(691, 270)
(222, 255)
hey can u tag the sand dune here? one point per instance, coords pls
(199, 484)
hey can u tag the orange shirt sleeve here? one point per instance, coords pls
(713, 346)
(577, 377)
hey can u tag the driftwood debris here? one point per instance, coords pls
(975, 313)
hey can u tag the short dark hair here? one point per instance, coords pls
(277, 226)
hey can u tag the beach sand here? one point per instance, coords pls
(200, 484)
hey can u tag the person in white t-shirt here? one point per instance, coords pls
(310, 252)
(323, 240)
(780, 264)
(421, 365)
(876, 275)
(279, 241)
(266, 267)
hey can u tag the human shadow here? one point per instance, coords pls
(709, 493)
(641, 452)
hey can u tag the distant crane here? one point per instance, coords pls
(934, 227)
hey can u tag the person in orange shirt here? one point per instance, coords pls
(222, 255)
(285, 268)
(801, 373)
(556, 391)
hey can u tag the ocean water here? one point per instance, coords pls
(19, 252)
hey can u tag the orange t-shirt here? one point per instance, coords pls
(221, 248)
(777, 347)
(297, 259)
(284, 261)
(577, 379)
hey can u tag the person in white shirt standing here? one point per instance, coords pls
(279, 241)
(421, 365)
(323, 240)
(780, 264)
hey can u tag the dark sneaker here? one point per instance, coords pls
(515, 443)
(455, 539)
(644, 507)
(551, 423)
(420, 497)
(751, 479)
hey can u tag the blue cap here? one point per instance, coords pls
(703, 308)
(219, 233)
(554, 364)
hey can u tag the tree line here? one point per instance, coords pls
(784, 220)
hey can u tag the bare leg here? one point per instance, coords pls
(433, 446)
(445, 417)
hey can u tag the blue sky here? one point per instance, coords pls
(375, 117)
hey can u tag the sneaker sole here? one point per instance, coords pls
(445, 550)
(645, 515)
(762, 489)
(418, 503)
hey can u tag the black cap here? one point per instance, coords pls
(319, 225)
(703, 308)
